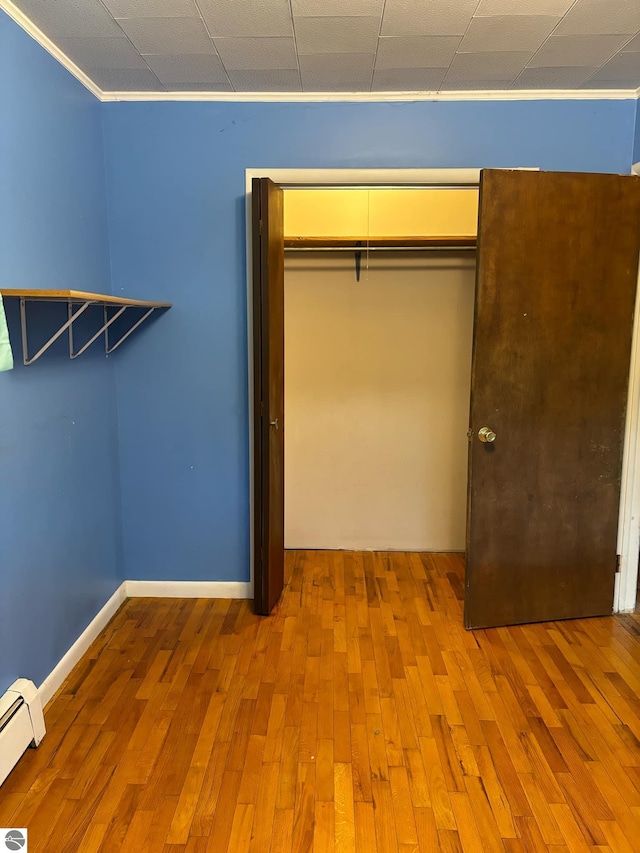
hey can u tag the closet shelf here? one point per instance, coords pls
(83, 300)
(351, 244)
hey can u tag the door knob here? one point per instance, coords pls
(486, 434)
(275, 423)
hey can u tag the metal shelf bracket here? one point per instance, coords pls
(103, 329)
(110, 348)
(73, 316)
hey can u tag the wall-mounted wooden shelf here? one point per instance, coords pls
(83, 300)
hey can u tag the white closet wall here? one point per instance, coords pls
(377, 378)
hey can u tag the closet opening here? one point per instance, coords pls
(530, 299)
(377, 384)
(378, 314)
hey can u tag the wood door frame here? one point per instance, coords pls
(629, 521)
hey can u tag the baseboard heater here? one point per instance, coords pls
(21, 723)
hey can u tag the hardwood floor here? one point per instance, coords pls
(361, 716)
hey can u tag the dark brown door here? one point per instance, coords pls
(556, 282)
(268, 397)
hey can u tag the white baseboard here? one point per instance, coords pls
(635, 169)
(188, 589)
(55, 678)
(135, 589)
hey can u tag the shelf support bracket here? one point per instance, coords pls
(358, 259)
(73, 316)
(103, 329)
(109, 349)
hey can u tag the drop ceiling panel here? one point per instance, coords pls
(507, 32)
(620, 68)
(556, 8)
(359, 45)
(152, 8)
(102, 52)
(437, 17)
(195, 68)
(334, 8)
(567, 77)
(416, 51)
(352, 64)
(501, 65)
(168, 35)
(126, 80)
(601, 17)
(331, 81)
(577, 50)
(255, 54)
(233, 19)
(71, 18)
(337, 35)
(277, 80)
(408, 79)
(199, 87)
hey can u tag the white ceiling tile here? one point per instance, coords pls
(72, 18)
(233, 19)
(416, 51)
(257, 54)
(577, 50)
(334, 8)
(330, 81)
(192, 68)
(349, 64)
(501, 65)
(168, 35)
(102, 52)
(435, 17)
(624, 67)
(152, 8)
(408, 79)
(276, 80)
(472, 84)
(507, 32)
(337, 35)
(567, 77)
(198, 87)
(601, 16)
(592, 83)
(633, 44)
(126, 80)
(556, 8)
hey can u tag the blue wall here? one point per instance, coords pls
(175, 173)
(60, 523)
(173, 228)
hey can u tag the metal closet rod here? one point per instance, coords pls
(364, 249)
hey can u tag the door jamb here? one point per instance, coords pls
(629, 523)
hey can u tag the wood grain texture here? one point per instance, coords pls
(268, 392)
(360, 716)
(78, 296)
(556, 283)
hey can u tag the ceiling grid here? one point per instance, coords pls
(344, 46)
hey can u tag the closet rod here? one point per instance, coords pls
(364, 249)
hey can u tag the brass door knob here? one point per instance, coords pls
(486, 434)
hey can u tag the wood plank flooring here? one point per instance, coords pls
(359, 717)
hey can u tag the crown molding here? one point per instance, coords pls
(44, 41)
(385, 97)
(312, 97)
